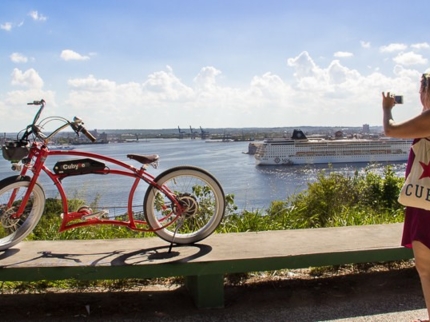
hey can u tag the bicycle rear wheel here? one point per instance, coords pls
(14, 230)
(201, 196)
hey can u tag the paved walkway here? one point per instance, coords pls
(383, 296)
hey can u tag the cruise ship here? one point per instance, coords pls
(301, 150)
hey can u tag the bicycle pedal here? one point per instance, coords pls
(103, 214)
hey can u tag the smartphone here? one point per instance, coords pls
(398, 99)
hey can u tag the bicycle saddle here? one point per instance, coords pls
(144, 159)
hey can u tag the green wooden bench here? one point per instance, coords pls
(204, 264)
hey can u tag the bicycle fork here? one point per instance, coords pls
(27, 194)
(35, 168)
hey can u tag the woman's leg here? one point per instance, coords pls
(422, 264)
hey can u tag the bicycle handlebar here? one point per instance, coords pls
(41, 102)
(77, 125)
(88, 134)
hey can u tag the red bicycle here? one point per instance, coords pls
(182, 205)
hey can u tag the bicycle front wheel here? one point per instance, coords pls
(202, 200)
(14, 230)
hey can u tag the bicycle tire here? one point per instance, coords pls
(204, 198)
(14, 230)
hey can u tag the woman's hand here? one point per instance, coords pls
(416, 127)
(388, 101)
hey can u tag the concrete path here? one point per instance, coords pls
(377, 296)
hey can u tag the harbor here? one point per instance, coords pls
(254, 187)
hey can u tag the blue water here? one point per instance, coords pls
(253, 187)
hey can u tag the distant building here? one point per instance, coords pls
(366, 128)
(103, 137)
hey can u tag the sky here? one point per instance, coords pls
(157, 64)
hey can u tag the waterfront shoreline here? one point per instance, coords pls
(254, 187)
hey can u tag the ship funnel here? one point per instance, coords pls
(298, 135)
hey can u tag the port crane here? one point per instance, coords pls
(193, 133)
(181, 133)
(203, 134)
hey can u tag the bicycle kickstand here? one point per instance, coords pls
(179, 225)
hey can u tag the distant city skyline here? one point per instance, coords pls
(215, 64)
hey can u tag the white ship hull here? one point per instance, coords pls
(290, 152)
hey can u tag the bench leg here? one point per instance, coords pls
(206, 290)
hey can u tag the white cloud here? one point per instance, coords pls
(338, 74)
(269, 88)
(329, 94)
(341, 54)
(36, 16)
(166, 86)
(68, 54)
(344, 95)
(410, 58)
(14, 109)
(392, 48)
(33, 14)
(422, 45)
(206, 78)
(92, 84)
(6, 26)
(304, 65)
(18, 58)
(365, 44)
(317, 95)
(30, 78)
(160, 88)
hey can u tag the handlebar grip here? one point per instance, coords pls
(41, 102)
(88, 134)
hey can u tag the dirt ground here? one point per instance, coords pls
(259, 299)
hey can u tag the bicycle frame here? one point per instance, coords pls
(36, 164)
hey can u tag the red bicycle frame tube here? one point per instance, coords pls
(39, 153)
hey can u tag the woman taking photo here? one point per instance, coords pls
(416, 229)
